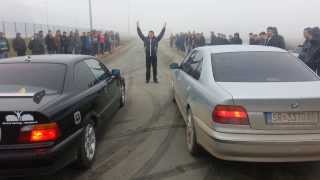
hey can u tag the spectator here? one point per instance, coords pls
(274, 39)
(77, 42)
(50, 43)
(102, 41)
(36, 45)
(4, 46)
(202, 40)
(19, 45)
(236, 39)
(64, 43)
(310, 53)
(72, 43)
(41, 39)
(57, 42)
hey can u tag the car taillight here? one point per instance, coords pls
(39, 133)
(228, 114)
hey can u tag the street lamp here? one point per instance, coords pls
(90, 16)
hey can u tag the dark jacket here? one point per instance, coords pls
(64, 44)
(276, 41)
(236, 41)
(36, 46)
(19, 45)
(50, 43)
(151, 45)
(4, 45)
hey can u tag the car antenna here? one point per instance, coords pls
(28, 59)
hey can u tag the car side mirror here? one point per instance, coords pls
(174, 66)
(116, 73)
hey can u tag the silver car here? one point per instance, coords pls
(249, 103)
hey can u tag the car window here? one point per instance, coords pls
(84, 78)
(193, 64)
(186, 65)
(196, 66)
(98, 69)
(260, 67)
(32, 77)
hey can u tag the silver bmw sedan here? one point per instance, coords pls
(249, 103)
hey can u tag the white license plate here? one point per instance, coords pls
(293, 118)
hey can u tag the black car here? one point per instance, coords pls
(51, 107)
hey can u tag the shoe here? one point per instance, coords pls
(147, 82)
(156, 81)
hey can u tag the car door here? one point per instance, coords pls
(183, 84)
(102, 74)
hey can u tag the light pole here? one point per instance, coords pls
(129, 13)
(90, 16)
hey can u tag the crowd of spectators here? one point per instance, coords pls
(88, 43)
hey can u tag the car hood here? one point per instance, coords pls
(272, 90)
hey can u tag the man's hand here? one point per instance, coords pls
(138, 24)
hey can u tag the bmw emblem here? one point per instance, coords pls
(295, 105)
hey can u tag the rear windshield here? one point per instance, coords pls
(259, 67)
(32, 77)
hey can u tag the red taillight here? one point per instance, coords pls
(227, 114)
(39, 133)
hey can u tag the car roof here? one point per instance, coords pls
(67, 59)
(239, 48)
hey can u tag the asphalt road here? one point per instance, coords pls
(146, 140)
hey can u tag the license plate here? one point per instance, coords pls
(293, 117)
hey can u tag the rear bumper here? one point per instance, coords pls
(42, 161)
(260, 148)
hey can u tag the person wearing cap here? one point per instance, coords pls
(19, 45)
(151, 47)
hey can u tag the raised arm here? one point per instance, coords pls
(142, 37)
(162, 32)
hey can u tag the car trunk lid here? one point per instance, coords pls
(279, 105)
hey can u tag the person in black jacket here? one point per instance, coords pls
(274, 39)
(236, 39)
(151, 48)
(19, 45)
(36, 45)
(310, 53)
(50, 43)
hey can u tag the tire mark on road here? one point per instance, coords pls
(162, 149)
(146, 130)
(135, 141)
(175, 171)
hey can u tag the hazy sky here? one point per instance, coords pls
(228, 16)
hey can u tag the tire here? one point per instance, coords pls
(123, 97)
(191, 138)
(87, 147)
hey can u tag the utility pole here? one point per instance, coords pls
(90, 15)
(129, 13)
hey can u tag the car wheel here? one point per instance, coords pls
(123, 97)
(191, 138)
(87, 148)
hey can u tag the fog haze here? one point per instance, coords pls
(227, 16)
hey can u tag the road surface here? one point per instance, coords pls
(145, 140)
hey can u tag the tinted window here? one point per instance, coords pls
(193, 65)
(32, 77)
(259, 67)
(84, 78)
(97, 68)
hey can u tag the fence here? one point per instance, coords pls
(28, 29)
